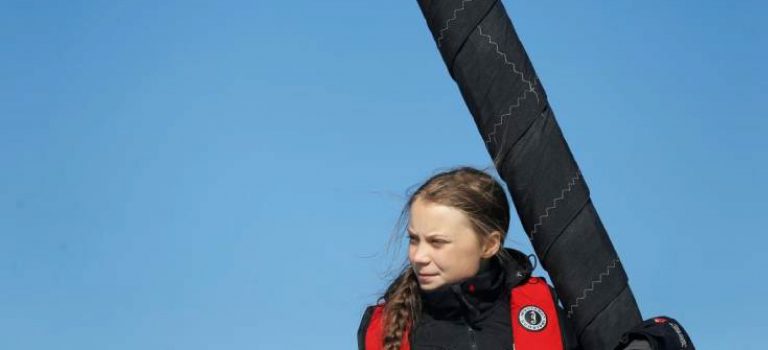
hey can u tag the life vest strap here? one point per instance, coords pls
(535, 323)
(374, 336)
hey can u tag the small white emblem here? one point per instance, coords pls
(532, 318)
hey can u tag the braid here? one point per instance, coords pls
(403, 305)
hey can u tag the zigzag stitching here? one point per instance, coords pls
(554, 204)
(506, 61)
(592, 287)
(448, 22)
(501, 117)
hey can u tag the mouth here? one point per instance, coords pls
(425, 276)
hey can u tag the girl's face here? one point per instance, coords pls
(443, 247)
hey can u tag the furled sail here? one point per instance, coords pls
(485, 57)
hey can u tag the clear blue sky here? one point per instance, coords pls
(225, 175)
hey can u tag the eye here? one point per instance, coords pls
(438, 242)
(413, 239)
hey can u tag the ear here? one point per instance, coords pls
(492, 244)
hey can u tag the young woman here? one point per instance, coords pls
(462, 289)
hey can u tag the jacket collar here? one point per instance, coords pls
(517, 268)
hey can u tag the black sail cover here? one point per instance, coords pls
(488, 62)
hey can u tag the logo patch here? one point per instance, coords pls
(532, 318)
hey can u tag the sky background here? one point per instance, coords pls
(226, 175)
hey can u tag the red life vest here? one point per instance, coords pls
(535, 324)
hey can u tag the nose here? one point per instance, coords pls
(419, 254)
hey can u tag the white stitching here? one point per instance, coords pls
(592, 287)
(447, 23)
(506, 61)
(554, 204)
(501, 117)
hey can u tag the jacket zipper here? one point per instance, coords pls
(473, 341)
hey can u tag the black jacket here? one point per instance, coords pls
(473, 314)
